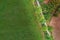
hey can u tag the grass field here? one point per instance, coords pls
(17, 21)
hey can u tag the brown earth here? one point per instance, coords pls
(55, 23)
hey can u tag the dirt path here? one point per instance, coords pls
(55, 22)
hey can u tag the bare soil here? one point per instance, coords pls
(55, 23)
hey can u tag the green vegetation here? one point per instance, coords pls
(49, 10)
(17, 21)
(24, 20)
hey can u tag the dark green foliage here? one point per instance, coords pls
(47, 10)
(40, 1)
(55, 15)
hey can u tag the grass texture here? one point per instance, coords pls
(17, 21)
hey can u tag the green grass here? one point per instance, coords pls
(17, 21)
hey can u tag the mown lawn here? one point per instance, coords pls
(17, 21)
